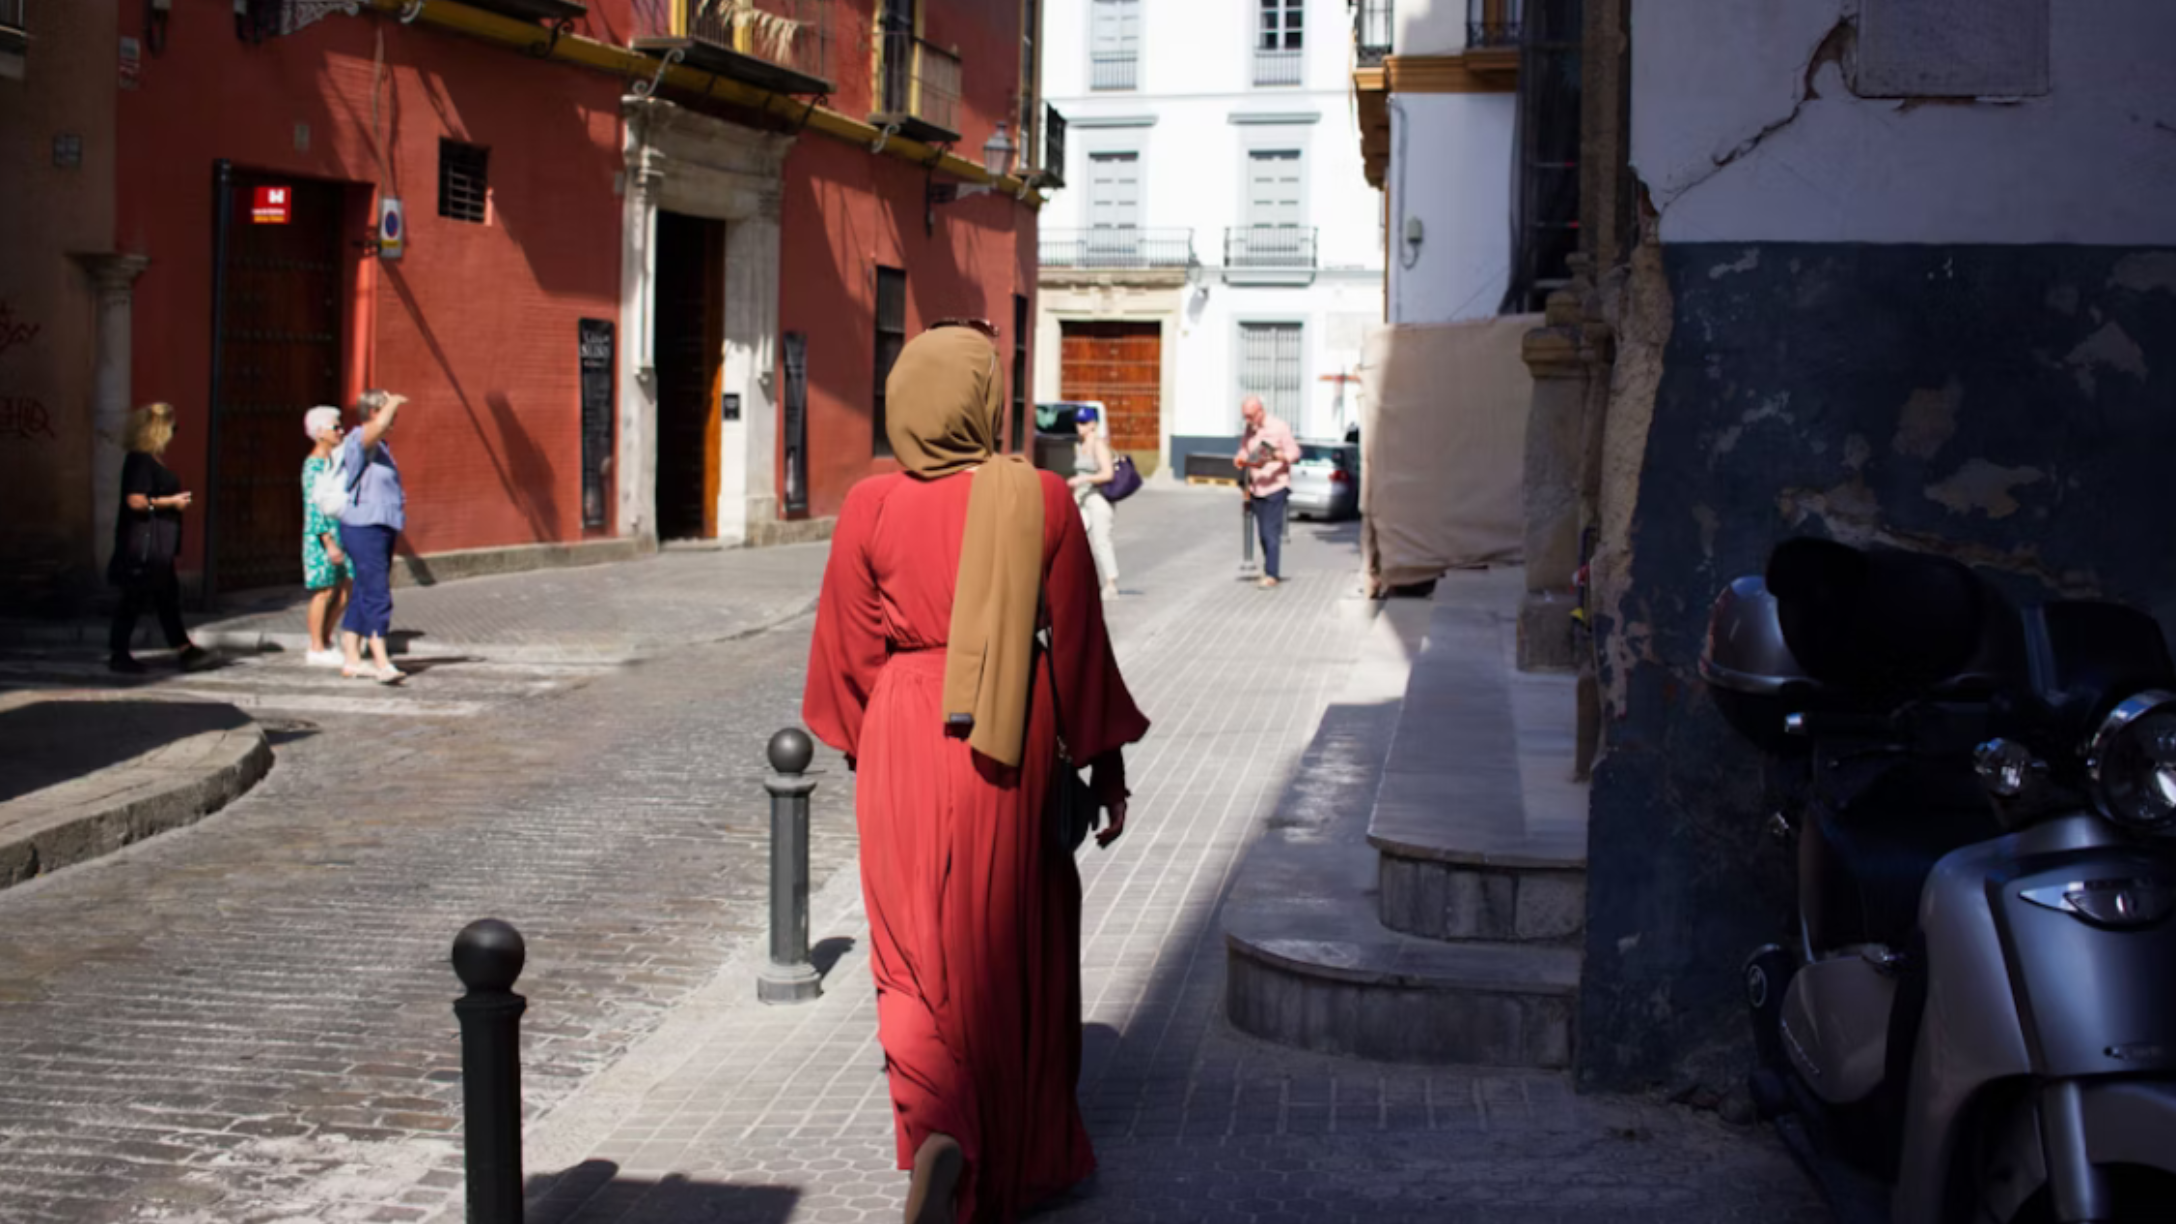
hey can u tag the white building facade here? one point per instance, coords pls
(1216, 236)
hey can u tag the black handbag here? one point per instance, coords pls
(1074, 810)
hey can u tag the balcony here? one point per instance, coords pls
(14, 37)
(1052, 146)
(1113, 70)
(1269, 255)
(1492, 24)
(1278, 67)
(779, 45)
(1373, 27)
(1118, 249)
(920, 90)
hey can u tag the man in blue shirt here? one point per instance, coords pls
(369, 527)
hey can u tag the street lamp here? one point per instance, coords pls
(997, 154)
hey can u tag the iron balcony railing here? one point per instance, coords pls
(1269, 246)
(1492, 23)
(1053, 147)
(1113, 70)
(921, 88)
(1372, 29)
(1118, 248)
(13, 16)
(781, 45)
(1277, 67)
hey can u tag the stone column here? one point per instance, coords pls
(1555, 448)
(114, 276)
(748, 471)
(635, 457)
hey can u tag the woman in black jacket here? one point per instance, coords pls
(147, 539)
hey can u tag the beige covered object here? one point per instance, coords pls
(1443, 412)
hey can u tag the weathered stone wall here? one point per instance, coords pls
(2013, 405)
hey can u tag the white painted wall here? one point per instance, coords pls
(1451, 167)
(1188, 120)
(2091, 161)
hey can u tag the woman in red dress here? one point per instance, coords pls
(926, 674)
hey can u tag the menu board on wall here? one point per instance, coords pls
(596, 357)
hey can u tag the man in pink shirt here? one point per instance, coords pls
(1266, 453)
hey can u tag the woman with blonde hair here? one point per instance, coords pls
(146, 541)
(926, 673)
(324, 566)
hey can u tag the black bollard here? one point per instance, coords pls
(789, 978)
(487, 957)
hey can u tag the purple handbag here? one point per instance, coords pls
(1124, 481)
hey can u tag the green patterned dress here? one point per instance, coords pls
(318, 569)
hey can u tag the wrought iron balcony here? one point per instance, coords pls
(1113, 70)
(13, 17)
(919, 91)
(1278, 67)
(1118, 249)
(1053, 147)
(780, 45)
(1271, 247)
(1492, 23)
(1373, 27)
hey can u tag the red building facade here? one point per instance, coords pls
(645, 265)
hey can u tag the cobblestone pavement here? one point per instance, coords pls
(249, 1021)
(735, 1112)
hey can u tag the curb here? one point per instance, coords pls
(227, 763)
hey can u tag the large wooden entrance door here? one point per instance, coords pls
(690, 360)
(1121, 364)
(280, 355)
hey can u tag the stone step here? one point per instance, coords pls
(1308, 961)
(1333, 980)
(1480, 831)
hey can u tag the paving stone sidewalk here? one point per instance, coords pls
(732, 1111)
(626, 609)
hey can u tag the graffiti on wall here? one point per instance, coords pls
(23, 418)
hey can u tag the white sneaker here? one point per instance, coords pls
(322, 658)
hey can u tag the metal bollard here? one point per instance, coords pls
(487, 957)
(789, 978)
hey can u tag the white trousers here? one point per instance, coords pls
(1096, 512)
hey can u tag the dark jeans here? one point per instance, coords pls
(1269, 521)
(158, 590)
(370, 555)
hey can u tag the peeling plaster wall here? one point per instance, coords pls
(1947, 325)
(1744, 129)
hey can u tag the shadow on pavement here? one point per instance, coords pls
(829, 952)
(595, 1190)
(44, 743)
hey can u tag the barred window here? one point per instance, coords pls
(464, 180)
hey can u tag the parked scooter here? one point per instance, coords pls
(1980, 1010)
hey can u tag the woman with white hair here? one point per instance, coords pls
(325, 572)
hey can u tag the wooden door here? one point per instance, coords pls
(1122, 365)
(280, 352)
(690, 360)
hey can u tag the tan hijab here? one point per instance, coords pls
(942, 405)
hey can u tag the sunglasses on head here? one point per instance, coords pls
(984, 326)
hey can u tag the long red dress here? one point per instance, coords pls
(974, 929)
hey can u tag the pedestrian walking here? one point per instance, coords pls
(146, 542)
(934, 689)
(1267, 452)
(325, 573)
(370, 526)
(1093, 468)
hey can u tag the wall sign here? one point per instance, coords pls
(729, 406)
(271, 205)
(595, 349)
(392, 229)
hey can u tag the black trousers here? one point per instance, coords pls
(159, 591)
(1269, 520)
